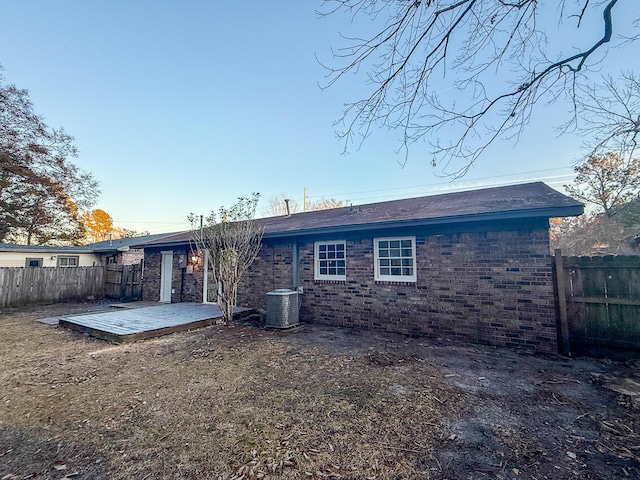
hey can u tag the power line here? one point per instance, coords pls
(452, 187)
(441, 188)
(535, 156)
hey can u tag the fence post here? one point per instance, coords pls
(562, 302)
(123, 283)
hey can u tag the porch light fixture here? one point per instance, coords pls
(195, 258)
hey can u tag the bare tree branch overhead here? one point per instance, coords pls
(610, 116)
(459, 74)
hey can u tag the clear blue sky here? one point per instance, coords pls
(182, 106)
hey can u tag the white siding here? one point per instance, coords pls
(18, 259)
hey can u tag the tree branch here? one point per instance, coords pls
(418, 40)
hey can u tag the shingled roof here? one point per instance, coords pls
(115, 245)
(124, 244)
(528, 200)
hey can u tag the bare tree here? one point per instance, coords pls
(121, 232)
(608, 181)
(610, 116)
(277, 206)
(326, 204)
(500, 57)
(231, 239)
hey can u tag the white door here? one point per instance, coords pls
(166, 273)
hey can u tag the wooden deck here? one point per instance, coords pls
(128, 325)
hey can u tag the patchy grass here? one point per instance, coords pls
(320, 403)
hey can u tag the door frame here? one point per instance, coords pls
(166, 278)
(205, 278)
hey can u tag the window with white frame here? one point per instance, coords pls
(68, 261)
(395, 259)
(330, 260)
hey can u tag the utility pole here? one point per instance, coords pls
(304, 200)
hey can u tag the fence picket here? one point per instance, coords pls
(22, 286)
(123, 282)
(602, 300)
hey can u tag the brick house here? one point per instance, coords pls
(474, 265)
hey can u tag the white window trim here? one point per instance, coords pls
(316, 261)
(67, 258)
(394, 278)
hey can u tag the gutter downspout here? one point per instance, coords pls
(296, 273)
(294, 263)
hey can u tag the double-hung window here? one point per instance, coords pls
(395, 259)
(68, 261)
(330, 260)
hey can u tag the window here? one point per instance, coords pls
(33, 262)
(71, 261)
(395, 259)
(330, 260)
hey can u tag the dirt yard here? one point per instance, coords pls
(246, 403)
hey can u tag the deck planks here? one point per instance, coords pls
(128, 325)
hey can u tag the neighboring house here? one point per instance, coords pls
(120, 252)
(43, 256)
(471, 265)
(108, 252)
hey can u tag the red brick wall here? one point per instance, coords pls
(492, 287)
(123, 258)
(272, 269)
(151, 275)
(490, 284)
(133, 257)
(187, 287)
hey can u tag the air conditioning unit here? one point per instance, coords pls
(282, 308)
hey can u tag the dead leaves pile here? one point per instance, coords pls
(285, 459)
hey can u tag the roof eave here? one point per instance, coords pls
(175, 243)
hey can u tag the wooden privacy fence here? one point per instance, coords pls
(123, 282)
(599, 301)
(24, 286)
